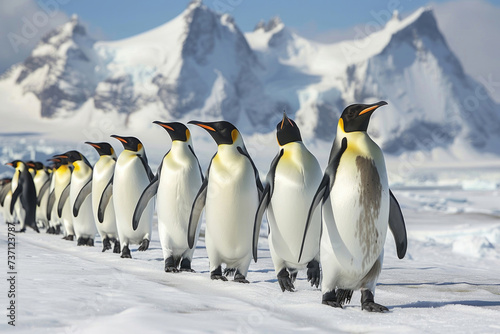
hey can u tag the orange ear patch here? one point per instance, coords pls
(367, 110)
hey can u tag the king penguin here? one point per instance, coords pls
(24, 193)
(56, 163)
(80, 203)
(132, 176)
(230, 192)
(42, 184)
(102, 186)
(175, 185)
(357, 208)
(58, 207)
(5, 199)
(292, 180)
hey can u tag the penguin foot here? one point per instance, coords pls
(240, 278)
(126, 253)
(82, 241)
(313, 273)
(90, 242)
(50, 230)
(22, 230)
(285, 281)
(106, 244)
(217, 274)
(170, 266)
(144, 245)
(57, 229)
(70, 237)
(329, 298)
(116, 249)
(368, 304)
(344, 296)
(186, 266)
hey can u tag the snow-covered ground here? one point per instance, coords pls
(447, 283)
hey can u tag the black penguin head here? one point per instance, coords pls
(357, 116)
(62, 159)
(75, 156)
(56, 163)
(287, 131)
(222, 132)
(31, 164)
(176, 130)
(102, 148)
(15, 163)
(129, 143)
(39, 165)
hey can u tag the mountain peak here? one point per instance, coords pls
(274, 23)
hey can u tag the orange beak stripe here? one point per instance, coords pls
(95, 145)
(121, 139)
(63, 156)
(167, 127)
(206, 127)
(367, 110)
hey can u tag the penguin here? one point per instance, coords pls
(54, 227)
(31, 168)
(23, 189)
(42, 184)
(293, 178)
(132, 176)
(80, 203)
(175, 184)
(230, 192)
(357, 209)
(5, 199)
(58, 207)
(102, 181)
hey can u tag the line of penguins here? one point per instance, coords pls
(345, 238)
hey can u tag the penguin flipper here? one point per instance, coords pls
(104, 201)
(260, 187)
(42, 192)
(146, 196)
(397, 226)
(264, 202)
(199, 166)
(15, 196)
(82, 195)
(326, 184)
(197, 208)
(50, 204)
(148, 170)
(62, 200)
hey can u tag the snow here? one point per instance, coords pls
(448, 281)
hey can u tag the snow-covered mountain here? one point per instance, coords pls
(200, 65)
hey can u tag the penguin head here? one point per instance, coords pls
(76, 158)
(224, 133)
(16, 164)
(357, 116)
(56, 163)
(39, 165)
(287, 131)
(61, 159)
(176, 130)
(31, 165)
(130, 143)
(103, 148)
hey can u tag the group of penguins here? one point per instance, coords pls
(114, 198)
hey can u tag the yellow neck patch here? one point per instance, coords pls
(139, 147)
(188, 134)
(341, 124)
(234, 135)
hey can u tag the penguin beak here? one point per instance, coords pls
(285, 119)
(9, 164)
(372, 107)
(119, 138)
(54, 159)
(92, 144)
(164, 125)
(203, 125)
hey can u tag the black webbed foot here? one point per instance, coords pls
(106, 244)
(126, 253)
(144, 245)
(81, 241)
(186, 265)
(240, 278)
(170, 266)
(368, 304)
(330, 299)
(285, 281)
(217, 274)
(90, 242)
(116, 249)
(313, 273)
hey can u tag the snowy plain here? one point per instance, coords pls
(449, 281)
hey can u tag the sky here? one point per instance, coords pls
(24, 22)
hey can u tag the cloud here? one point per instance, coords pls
(23, 23)
(471, 29)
